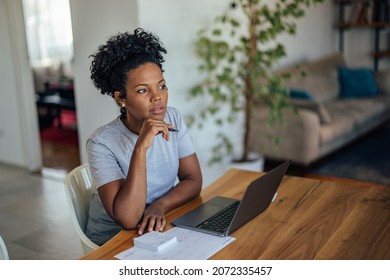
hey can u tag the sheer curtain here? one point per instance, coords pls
(49, 32)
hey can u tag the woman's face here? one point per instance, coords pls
(146, 95)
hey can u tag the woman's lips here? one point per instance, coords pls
(157, 111)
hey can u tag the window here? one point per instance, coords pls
(49, 32)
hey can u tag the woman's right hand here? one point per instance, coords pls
(150, 128)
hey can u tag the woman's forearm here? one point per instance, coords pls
(129, 203)
(183, 192)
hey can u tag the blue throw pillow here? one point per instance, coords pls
(301, 94)
(357, 82)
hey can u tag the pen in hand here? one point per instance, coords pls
(173, 129)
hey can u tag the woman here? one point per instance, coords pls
(136, 158)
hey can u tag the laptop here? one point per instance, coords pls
(223, 215)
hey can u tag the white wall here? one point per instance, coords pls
(176, 22)
(93, 22)
(316, 35)
(19, 140)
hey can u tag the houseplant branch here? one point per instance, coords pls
(238, 55)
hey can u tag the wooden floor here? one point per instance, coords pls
(62, 154)
(61, 158)
(300, 171)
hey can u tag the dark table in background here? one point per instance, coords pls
(54, 99)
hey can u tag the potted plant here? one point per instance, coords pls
(238, 54)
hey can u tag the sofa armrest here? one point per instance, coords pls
(382, 79)
(299, 137)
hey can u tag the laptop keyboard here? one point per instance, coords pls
(220, 221)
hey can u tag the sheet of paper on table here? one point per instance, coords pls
(191, 245)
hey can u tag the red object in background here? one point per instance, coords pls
(67, 134)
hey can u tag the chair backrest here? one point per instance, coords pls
(79, 190)
(3, 250)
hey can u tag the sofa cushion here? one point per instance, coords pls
(314, 106)
(382, 79)
(352, 116)
(320, 79)
(357, 82)
(300, 94)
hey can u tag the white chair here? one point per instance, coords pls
(3, 250)
(78, 190)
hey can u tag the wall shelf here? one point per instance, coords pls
(365, 14)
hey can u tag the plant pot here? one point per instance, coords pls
(254, 163)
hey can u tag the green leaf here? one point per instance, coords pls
(223, 49)
(217, 32)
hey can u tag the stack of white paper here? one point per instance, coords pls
(155, 241)
(190, 245)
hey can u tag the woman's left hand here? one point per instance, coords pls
(153, 219)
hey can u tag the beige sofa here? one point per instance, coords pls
(322, 125)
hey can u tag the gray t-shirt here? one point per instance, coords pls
(109, 151)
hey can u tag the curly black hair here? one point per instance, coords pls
(120, 54)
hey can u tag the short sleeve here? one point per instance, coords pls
(104, 167)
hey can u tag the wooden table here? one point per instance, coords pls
(310, 219)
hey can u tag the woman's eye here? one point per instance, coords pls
(142, 91)
(163, 87)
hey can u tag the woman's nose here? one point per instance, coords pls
(156, 96)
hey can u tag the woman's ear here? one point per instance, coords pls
(120, 101)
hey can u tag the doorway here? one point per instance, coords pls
(50, 48)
